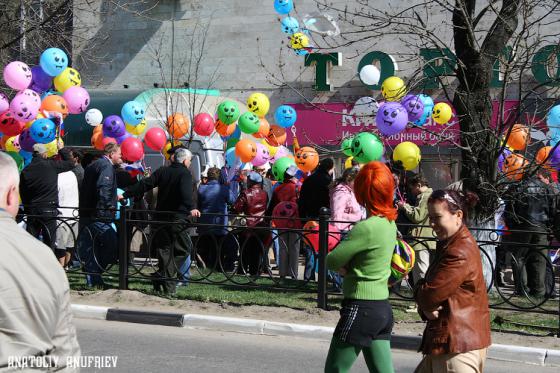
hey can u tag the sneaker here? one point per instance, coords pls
(412, 309)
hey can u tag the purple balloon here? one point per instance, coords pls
(113, 126)
(502, 158)
(120, 139)
(26, 142)
(554, 159)
(40, 79)
(414, 106)
(391, 118)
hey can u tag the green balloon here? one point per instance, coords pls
(231, 142)
(280, 166)
(249, 123)
(18, 159)
(228, 112)
(346, 146)
(367, 147)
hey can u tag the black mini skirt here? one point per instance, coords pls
(363, 321)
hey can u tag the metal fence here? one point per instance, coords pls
(235, 253)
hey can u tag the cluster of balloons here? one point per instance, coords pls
(299, 39)
(44, 96)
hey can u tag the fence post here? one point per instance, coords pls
(324, 215)
(123, 249)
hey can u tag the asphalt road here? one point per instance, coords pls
(150, 348)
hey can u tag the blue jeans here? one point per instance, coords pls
(185, 272)
(97, 248)
(311, 263)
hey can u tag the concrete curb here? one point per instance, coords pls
(526, 355)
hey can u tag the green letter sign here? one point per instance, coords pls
(541, 65)
(386, 66)
(437, 64)
(323, 62)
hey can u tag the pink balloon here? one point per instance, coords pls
(4, 103)
(25, 105)
(203, 124)
(262, 156)
(132, 149)
(334, 238)
(155, 139)
(77, 99)
(281, 152)
(17, 75)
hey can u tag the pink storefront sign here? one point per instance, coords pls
(328, 124)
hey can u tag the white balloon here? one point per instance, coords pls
(366, 106)
(320, 23)
(94, 117)
(369, 74)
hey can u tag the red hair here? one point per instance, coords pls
(374, 188)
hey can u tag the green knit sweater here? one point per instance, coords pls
(366, 252)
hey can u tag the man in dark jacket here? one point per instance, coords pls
(174, 204)
(97, 241)
(39, 193)
(530, 207)
(314, 192)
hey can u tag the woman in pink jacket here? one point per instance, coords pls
(344, 207)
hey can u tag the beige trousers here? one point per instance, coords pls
(421, 265)
(468, 362)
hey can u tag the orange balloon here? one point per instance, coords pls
(264, 129)
(514, 166)
(97, 141)
(3, 140)
(177, 125)
(276, 136)
(518, 137)
(55, 103)
(98, 129)
(246, 150)
(307, 159)
(223, 129)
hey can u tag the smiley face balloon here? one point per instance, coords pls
(132, 112)
(285, 116)
(258, 104)
(442, 113)
(25, 105)
(17, 75)
(393, 88)
(283, 6)
(53, 61)
(414, 106)
(94, 117)
(391, 118)
(228, 112)
(290, 25)
(70, 77)
(262, 157)
(249, 123)
(307, 159)
(43, 131)
(299, 40)
(367, 147)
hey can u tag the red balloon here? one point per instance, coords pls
(313, 236)
(155, 139)
(203, 124)
(9, 126)
(132, 149)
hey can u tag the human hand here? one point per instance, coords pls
(195, 213)
(434, 315)
(59, 144)
(400, 205)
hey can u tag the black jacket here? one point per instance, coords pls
(529, 204)
(175, 188)
(98, 195)
(39, 180)
(314, 194)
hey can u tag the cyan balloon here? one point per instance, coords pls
(290, 25)
(53, 61)
(283, 6)
(285, 116)
(428, 107)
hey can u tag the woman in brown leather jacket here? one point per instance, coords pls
(452, 297)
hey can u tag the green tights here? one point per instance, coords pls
(342, 355)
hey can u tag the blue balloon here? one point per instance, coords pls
(236, 134)
(290, 25)
(230, 157)
(428, 107)
(120, 192)
(53, 61)
(553, 117)
(283, 6)
(27, 157)
(301, 52)
(43, 130)
(133, 113)
(285, 116)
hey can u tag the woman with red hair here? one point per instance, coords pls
(364, 258)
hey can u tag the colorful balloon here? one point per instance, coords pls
(428, 107)
(262, 157)
(264, 129)
(285, 116)
(25, 105)
(52, 147)
(53, 61)
(228, 112)
(77, 99)
(414, 107)
(258, 104)
(280, 152)
(177, 125)
(442, 113)
(514, 166)
(391, 118)
(120, 139)
(367, 147)
(55, 104)
(132, 112)
(249, 123)
(290, 25)
(113, 126)
(312, 235)
(12, 144)
(283, 6)
(132, 149)
(155, 139)
(231, 142)
(137, 129)
(17, 75)
(518, 137)
(203, 124)
(9, 125)
(40, 80)
(26, 142)
(393, 88)
(43, 131)
(299, 41)
(70, 77)
(408, 153)
(346, 146)
(94, 117)
(246, 150)
(4, 103)
(553, 118)
(225, 130)
(280, 166)
(276, 136)
(307, 159)
(285, 215)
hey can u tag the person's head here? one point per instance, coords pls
(348, 177)
(183, 156)
(254, 178)
(76, 156)
(113, 152)
(290, 173)
(9, 192)
(374, 188)
(417, 184)
(260, 170)
(326, 165)
(448, 209)
(213, 173)
(40, 150)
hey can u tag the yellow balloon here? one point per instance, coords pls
(393, 88)
(348, 162)
(442, 113)
(52, 149)
(299, 41)
(136, 130)
(12, 145)
(168, 146)
(271, 149)
(258, 103)
(28, 124)
(408, 153)
(69, 77)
